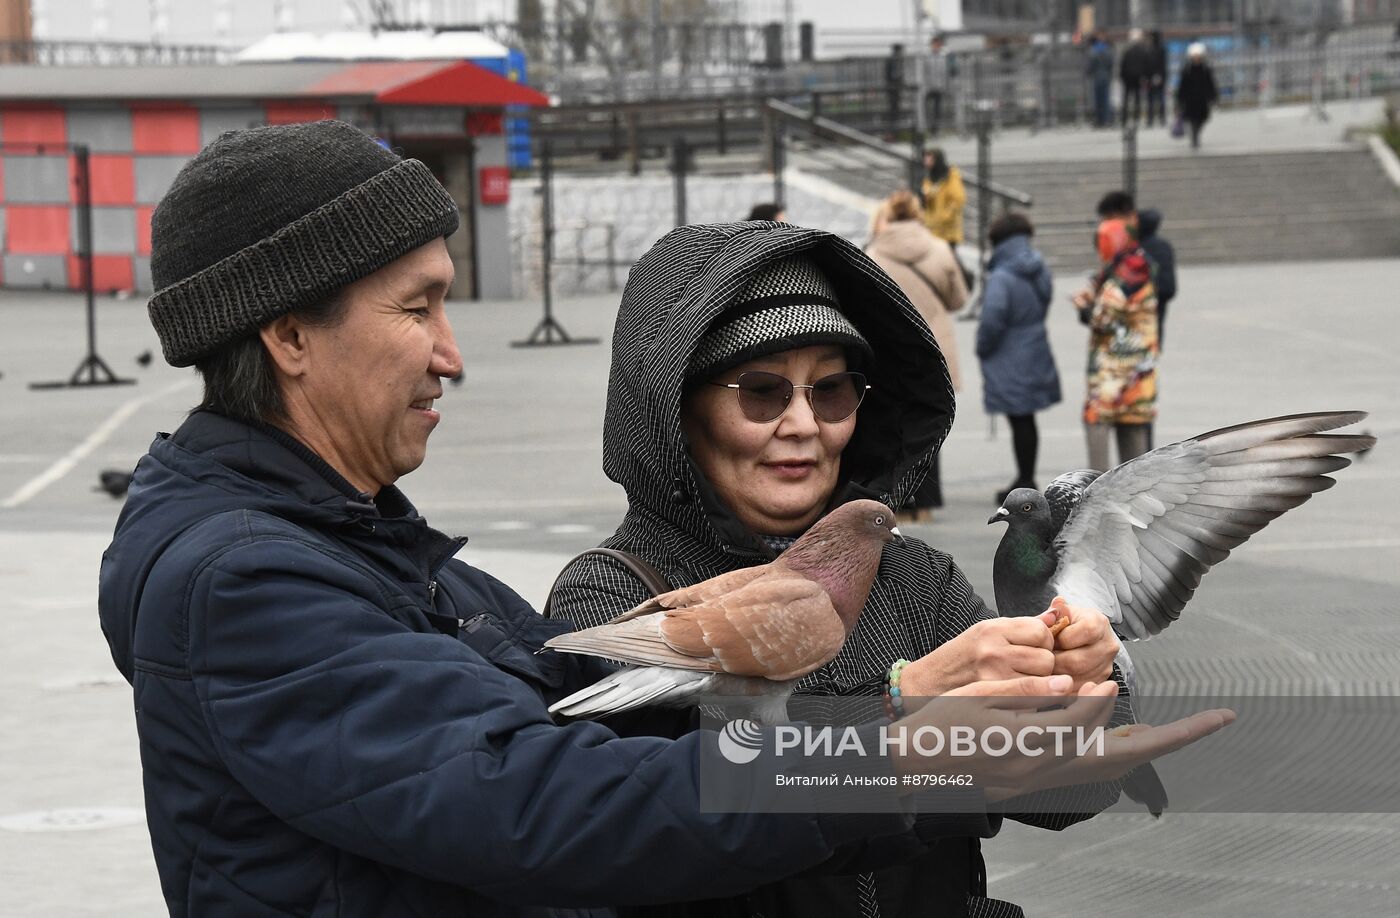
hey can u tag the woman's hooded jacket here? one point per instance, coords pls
(676, 522)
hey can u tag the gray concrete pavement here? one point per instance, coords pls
(516, 465)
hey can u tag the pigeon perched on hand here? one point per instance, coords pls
(750, 632)
(1135, 541)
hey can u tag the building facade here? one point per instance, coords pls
(139, 125)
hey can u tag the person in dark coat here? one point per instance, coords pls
(1133, 69)
(706, 305)
(1156, 79)
(1159, 250)
(337, 717)
(1019, 376)
(1099, 69)
(1196, 91)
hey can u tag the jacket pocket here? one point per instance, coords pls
(486, 634)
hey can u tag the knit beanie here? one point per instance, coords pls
(268, 220)
(787, 305)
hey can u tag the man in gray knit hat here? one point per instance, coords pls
(336, 717)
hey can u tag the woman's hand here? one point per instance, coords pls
(1084, 649)
(991, 650)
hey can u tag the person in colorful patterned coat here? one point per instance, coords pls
(1120, 308)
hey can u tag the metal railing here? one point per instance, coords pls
(110, 53)
(822, 127)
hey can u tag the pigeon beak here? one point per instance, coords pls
(898, 536)
(1001, 516)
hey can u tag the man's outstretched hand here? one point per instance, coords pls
(1027, 735)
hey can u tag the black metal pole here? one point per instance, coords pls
(547, 236)
(92, 370)
(679, 155)
(779, 157)
(984, 177)
(1130, 158)
(84, 170)
(548, 331)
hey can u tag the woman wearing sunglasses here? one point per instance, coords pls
(762, 375)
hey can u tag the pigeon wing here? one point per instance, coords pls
(698, 593)
(1144, 533)
(638, 641)
(1063, 494)
(778, 629)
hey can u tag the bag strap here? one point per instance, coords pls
(650, 577)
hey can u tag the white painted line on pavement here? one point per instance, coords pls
(95, 439)
(568, 529)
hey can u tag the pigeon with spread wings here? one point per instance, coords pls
(750, 632)
(1135, 541)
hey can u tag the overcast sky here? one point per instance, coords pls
(244, 21)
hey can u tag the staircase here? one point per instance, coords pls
(1239, 208)
(1279, 206)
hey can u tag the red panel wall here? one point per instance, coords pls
(165, 130)
(113, 179)
(297, 112)
(109, 272)
(37, 229)
(143, 230)
(33, 125)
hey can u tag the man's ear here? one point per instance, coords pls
(285, 340)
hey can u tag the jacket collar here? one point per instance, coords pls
(279, 474)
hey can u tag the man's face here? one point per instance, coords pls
(370, 381)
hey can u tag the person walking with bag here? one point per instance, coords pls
(928, 272)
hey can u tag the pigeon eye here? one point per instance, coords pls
(879, 521)
(1025, 508)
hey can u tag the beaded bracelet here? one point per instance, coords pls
(894, 703)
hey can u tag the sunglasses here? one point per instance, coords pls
(765, 397)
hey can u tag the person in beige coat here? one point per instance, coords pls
(927, 271)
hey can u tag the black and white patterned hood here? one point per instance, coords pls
(674, 293)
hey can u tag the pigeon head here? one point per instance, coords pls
(842, 552)
(1024, 508)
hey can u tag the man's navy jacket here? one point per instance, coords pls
(338, 718)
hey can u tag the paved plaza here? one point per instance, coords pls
(516, 465)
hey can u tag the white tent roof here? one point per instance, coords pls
(368, 46)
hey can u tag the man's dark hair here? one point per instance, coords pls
(1116, 204)
(767, 211)
(1007, 225)
(239, 381)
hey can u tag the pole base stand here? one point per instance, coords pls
(93, 371)
(548, 333)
